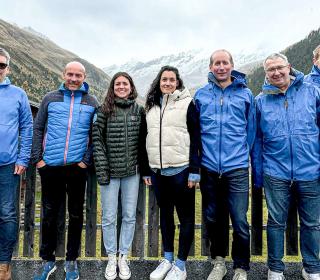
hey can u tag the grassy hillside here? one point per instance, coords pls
(299, 55)
(37, 63)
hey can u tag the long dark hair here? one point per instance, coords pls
(154, 93)
(108, 107)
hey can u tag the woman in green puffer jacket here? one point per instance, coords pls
(117, 133)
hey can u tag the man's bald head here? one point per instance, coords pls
(74, 75)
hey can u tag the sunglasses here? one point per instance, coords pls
(3, 66)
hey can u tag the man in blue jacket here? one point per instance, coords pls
(62, 151)
(314, 76)
(226, 110)
(286, 161)
(15, 121)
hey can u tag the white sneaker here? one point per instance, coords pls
(111, 269)
(176, 273)
(124, 270)
(275, 275)
(161, 271)
(310, 276)
(239, 274)
(219, 269)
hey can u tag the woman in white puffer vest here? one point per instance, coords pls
(172, 143)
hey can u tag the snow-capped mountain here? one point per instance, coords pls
(193, 66)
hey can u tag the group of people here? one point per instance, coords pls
(175, 143)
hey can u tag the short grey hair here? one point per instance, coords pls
(222, 50)
(275, 56)
(316, 53)
(4, 53)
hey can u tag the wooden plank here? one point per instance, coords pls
(91, 214)
(18, 198)
(139, 235)
(256, 221)
(292, 229)
(29, 214)
(153, 222)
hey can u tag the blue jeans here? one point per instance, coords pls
(278, 195)
(109, 199)
(222, 195)
(8, 215)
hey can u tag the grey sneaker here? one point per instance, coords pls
(310, 276)
(176, 274)
(219, 269)
(111, 269)
(124, 269)
(275, 275)
(239, 274)
(161, 271)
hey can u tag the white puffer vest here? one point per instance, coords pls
(168, 139)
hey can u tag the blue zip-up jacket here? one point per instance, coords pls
(227, 123)
(314, 76)
(15, 121)
(287, 140)
(62, 128)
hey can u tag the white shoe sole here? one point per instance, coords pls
(51, 271)
(110, 277)
(124, 277)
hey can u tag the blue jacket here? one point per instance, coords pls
(15, 121)
(314, 76)
(62, 128)
(287, 140)
(227, 123)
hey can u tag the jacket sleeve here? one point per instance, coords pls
(251, 122)
(142, 150)
(195, 138)
(100, 149)
(39, 128)
(87, 157)
(25, 131)
(256, 153)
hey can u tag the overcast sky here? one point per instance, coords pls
(112, 32)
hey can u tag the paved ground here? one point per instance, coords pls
(94, 270)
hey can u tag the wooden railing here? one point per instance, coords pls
(146, 241)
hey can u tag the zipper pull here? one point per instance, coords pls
(221, 100)
(286, 104)
(220, 175)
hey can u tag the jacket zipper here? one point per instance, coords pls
(126, 137)
(69, 128)
(160, 140)
(286, 105)
(220, 140)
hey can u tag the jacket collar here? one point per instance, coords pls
(315, 71)
(238, 79)
(6, 82)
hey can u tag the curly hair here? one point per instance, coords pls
(154, 93)
(108, 107)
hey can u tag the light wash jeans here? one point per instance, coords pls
(129, 187)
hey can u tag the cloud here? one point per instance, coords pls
(107, 32)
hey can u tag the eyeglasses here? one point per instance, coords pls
(3, 66)
(279, 68)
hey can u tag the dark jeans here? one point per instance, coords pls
(173, 191)
(221, 196)
(8, 215)
(278, 196)
(56, 181)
